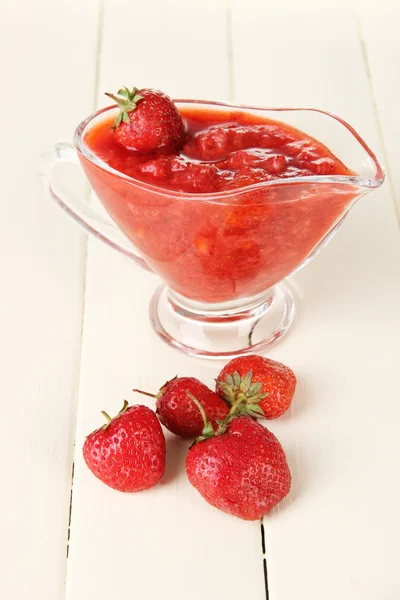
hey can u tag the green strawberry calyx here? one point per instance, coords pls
(242, 393)
(208, 430)
(109, 419)
(127, 101)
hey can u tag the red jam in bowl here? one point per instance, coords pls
(220, 219)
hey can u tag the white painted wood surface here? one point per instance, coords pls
(337, 533)
(379, 24)
(47, 86)
(166, 542)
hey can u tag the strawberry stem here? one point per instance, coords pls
(123, 409)
(109, 419)
(113, 97)
(235, 406)
(107, 416)
(199, 406)
(208, 430)
(146, 393)
(162, 390)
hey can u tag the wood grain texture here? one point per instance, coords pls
(335, 536)
(379, 30)
(47, 77)
(166, 542)
(337, 533)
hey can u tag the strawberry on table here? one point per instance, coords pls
(242, 470)
(179, 414)
(148, 120)
(128, 452)
(264, 386)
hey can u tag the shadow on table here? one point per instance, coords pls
(176, 455)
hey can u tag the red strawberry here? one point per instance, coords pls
(148, 120)
(242, 472)
(128, 453)
(177, 411)
(264, 387)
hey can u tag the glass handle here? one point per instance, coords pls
(79, 210)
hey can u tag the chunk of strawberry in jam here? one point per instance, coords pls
(275, 164)
(212, 242)
(243, 242)
(180, 174)
(243, 137)
(224, 156)
(306, 155)
(194, 177)
(210, 144)
(159, 168)
(247, 176)
(217, 142)
(247, 254)
(323, 166)
(274, 137)
(296, 147)
(271, 163)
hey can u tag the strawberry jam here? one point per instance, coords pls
(238, 224)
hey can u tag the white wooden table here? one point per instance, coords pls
(76, 338)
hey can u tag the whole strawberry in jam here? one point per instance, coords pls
(243, 471)
(128, 452)
(178, 413)
(263, 387)
(148, 120)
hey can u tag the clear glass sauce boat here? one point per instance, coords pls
(223, 256)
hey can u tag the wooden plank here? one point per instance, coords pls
(48, 83)
(167, 542)
(379, 29)
(180, 47)
(337, 533)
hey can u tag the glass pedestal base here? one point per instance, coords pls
(225, 330)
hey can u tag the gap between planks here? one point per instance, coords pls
(99, 45)
(263, 549)
(232, 99)
(368, 73)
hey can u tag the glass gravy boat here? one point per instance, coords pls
(223, 256)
